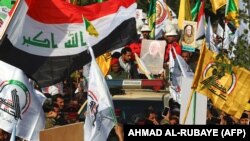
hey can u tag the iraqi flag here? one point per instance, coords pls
(47, 39)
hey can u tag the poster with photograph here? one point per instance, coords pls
(5, 16)
(152, 54)
(138, 14)
(189, 36)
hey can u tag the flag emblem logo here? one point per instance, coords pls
(93, 105)
(219, 85)
(161, 13)
(12, 101)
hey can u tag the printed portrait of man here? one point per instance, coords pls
(188, 36)
(152, 55)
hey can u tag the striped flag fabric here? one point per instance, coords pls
(48, 41)
(201, 21)
(232, 12)
(184, 13)
(195, 10)
(152, 17)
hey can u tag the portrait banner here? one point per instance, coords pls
(139, 14)
(152, 55)
(189, 36)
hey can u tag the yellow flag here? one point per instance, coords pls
(232, 12)
(103, 62)
(230, 93)
(184, 12)
(217, 4)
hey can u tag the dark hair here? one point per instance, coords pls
(150, 111)
(116, 55)
(54, 97)
(192, 28)
(244, 115)
(47, 106)
(55, 105)
(125, 50)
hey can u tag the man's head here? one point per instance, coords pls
(171, 34)
(151, 115)
(186, 56)
(145, 30)
(58, 99)
(126, 54)
(115, 65)
(154, 48)
(244, 120)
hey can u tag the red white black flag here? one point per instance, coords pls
(47, 39)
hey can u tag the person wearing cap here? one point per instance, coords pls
(116, 71)
(171, 37)
(145, 30)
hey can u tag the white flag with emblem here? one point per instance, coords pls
(20, 106)
(100, 117)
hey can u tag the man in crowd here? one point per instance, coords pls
(145, 31)
(116, 71)
(128, 64)
(171, 37)
(59, 101)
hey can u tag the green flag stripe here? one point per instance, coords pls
(86, 23)
(152, 17)
(231, 6)
(152, 8)
(7, 3)
(195, 10)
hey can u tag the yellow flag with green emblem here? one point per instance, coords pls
(230, 92)
(90, 28)
(232, 12)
